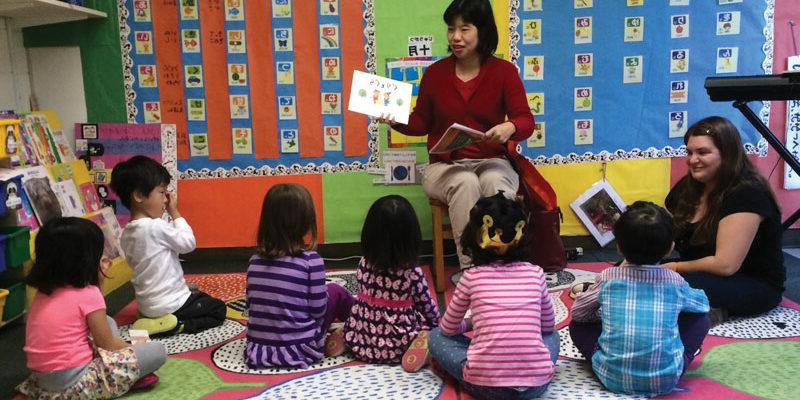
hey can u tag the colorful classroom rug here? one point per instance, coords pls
(741, 359)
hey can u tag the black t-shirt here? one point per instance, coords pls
(765, 257)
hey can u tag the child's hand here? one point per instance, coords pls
(172, 205)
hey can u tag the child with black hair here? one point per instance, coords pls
(73, 348)
(640, 324)
(165, 303)
(394, 310)
(514, 345)
(289, 304)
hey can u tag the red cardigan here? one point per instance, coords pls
(499, 93)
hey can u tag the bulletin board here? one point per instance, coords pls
(624, 79)
(253, 87)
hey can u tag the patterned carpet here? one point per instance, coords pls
(741, 359)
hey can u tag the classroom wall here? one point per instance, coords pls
(224, 212)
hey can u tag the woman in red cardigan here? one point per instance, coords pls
(474, 88)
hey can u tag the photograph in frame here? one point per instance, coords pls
(598, 208)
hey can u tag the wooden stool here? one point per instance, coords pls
(441, 231)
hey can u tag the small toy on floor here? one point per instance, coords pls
(579, 288)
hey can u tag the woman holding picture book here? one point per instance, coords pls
(475, 89)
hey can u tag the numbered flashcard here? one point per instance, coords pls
(144, 42)
(632, 69)
(196, 109)
(634, 29)
(284, 72)
(234, 10)
(236, 41)
(198, 144)
(727, 60)
(679, 26)
(332, 138)
(536, 102)
(728, 22)
(583, 30)
(584, 131)
(584, 64)
(189, 9)
(287, 107)
(537, 138)
(329, 7)
(237, 74)
(532, 5)
(282, 8)
(532, 31)
(283, 39)
(583, 3)
(332, 103)
(330, 69)
(678, 92)
(142, 11)
(289, 141)
(242, 141)
(190, 40)
(147, 76)
(329, 36)
(239, 106)
(679, 2)
(193, 75)
(677, 124)
(152, 112)
(534, 68)
(583, 99)
(679, 61)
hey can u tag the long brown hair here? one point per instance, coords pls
(735, 171)
(287, 216)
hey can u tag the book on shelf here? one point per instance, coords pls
(455, 137)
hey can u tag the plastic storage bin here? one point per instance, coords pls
(17, 245)
(15, 301)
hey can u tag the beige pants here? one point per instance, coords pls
(462, 183)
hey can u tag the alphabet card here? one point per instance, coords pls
(375, 95)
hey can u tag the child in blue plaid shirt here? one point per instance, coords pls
(640, 324)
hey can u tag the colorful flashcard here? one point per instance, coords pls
(190, 40)
(198, 144)
(144, 42)
(634, 29)
(532, 31)
(678, 124)
(152, 112)
(582, 99)
(679, 26)
(282, 8)
(284, 72)
(289, 141)
(399, 167)
(532, 5)
(239, 105)
(537, 139)
(329, 7)
(189, 9)
(332, 138)
(727, 60)
(330, 69)
(329, 36)
(584, 129)
(678, 92)
(283, 39)
(242, 141)
(375, 95)
(583, 30)
(196, 109)
(147, 76)
(287, 107)
(584, 64)
(728, 22)
(332, 102)
(679, 2)
(632, 69)
(234, 10)
(635, 3)
(193, 75)
(534, 68)
(142, 11)
(236, 41)
(583, 3)
(679, 61)
(237, 74)
(536, 102)
(721, 2)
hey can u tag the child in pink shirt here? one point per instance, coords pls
(514, 346)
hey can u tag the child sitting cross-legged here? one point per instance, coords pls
(166, 305)
(640, 324)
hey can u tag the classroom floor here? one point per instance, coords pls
(12, 370)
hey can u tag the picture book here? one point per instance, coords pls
(71, 202)
(38, 186)
(455, 137)
(375, 95)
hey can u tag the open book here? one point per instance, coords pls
(455, 137)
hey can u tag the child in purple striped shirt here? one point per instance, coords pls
(289, 305)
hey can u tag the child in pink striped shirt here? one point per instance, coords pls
(514, 345)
